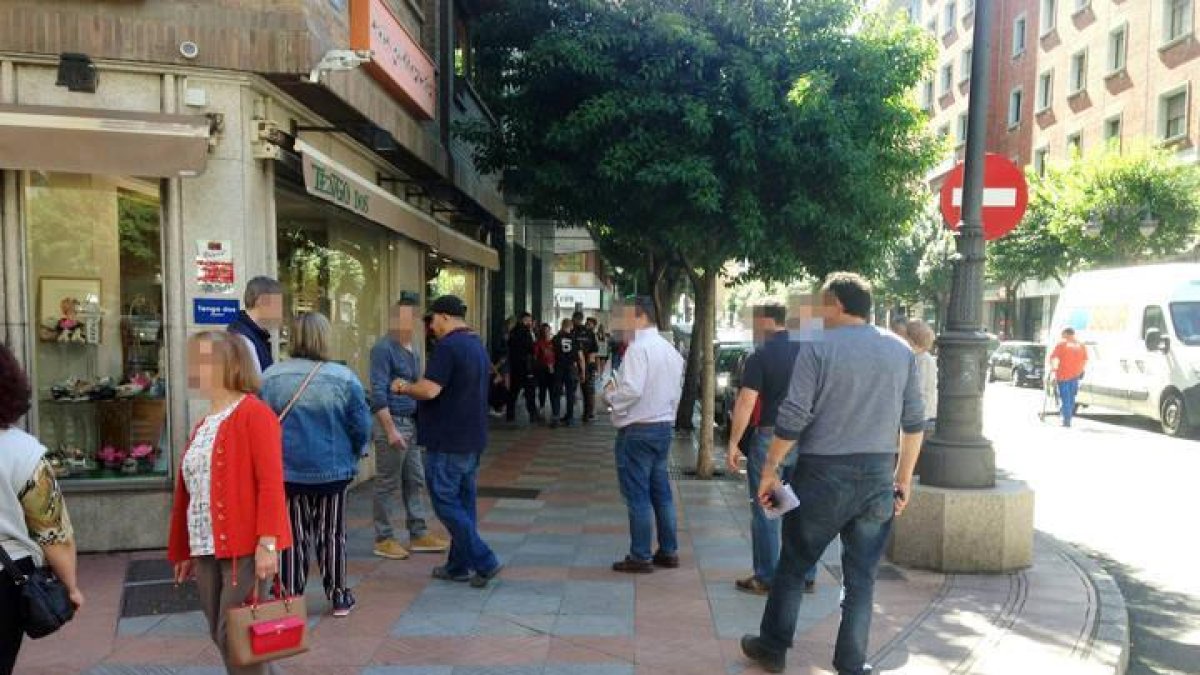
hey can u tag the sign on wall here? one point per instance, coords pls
(214, 311)
(214, 266)
(397, 60)
(570, 298)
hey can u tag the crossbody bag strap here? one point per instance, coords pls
(303, 385)
(10, 568)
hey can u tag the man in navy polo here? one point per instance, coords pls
(452, 427)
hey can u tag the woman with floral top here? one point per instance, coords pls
(229, 517)
(35, 529)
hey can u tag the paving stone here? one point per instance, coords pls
(594, 624)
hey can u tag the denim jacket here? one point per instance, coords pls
(327, 430)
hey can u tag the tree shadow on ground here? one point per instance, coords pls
(1159, 620)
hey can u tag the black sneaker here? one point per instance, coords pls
(770, 661)
(343, 603)
(480, 580)
(440, 572)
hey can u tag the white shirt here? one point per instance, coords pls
(649, 382)
(197, 477)
(928, 370)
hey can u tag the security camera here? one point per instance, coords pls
(339, 59)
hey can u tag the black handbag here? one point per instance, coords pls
(45, 605)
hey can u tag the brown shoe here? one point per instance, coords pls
(753, 586)
(666, 561)
(390, 549)
(633, 566)
(428, 543)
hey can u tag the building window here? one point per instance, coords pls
(1039, 160)
(961, 135)
(943, 131)
(947, 79)
(965, 67)
(968, 7)
(1117, 47)
(1045, 91)
(1075, 144)
(1177, 19)
(464, 50)
(1015, 98)
(927, 96)
(1049, 16)
(1081, 5)
(1112, 131)
(94, 251)
(1018, 37)
(950, 16)
(1078, 73)
(931, 25)
(1172, 114)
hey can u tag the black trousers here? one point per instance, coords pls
(565, 383)
(588, 390)
(522, 381)
(545, 386)
(11, 634)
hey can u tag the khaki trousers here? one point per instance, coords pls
(214, 580)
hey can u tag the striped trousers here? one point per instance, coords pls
(319, 523)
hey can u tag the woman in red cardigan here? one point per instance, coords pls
(229, 518)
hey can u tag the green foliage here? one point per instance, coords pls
(773, 131)
(1031, 252)
(1096, 207)
(919, 267)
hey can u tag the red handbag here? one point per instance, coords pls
(258, 633)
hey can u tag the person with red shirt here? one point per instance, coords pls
(229, 519)
(1068, 360)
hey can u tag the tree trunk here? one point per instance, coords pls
(706, 313)
(691, 375)
(662, 292)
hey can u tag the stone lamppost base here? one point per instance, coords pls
(966, 530)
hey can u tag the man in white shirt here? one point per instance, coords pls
(643, 396)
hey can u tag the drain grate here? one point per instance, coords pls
(498, 492)
(159, 598)
(149, 571)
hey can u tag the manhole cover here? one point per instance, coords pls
(154, 599)
(506, 492)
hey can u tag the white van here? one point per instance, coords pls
(1141, 326)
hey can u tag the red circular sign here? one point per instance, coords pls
(1005, 196)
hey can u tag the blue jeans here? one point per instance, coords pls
(642, 452)
(765, 532)
(450, 479)
(850, 496)
(1067, 391)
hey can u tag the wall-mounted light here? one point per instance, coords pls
(76, 72)
(339, 60)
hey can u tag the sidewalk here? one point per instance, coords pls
(551, 509)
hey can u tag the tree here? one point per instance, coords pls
(920, 265)
(778, 132)
(1029, 253)
(1117, 208)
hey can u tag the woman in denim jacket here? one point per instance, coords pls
(325, 432)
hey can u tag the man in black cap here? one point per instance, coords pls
(452, 427)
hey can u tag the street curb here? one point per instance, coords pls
(1109, 642)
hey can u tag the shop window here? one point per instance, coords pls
(334, 263)
(94, 251)
(571, 262)
(448, 278)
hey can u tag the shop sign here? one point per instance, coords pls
(328, 183)
(587, 298)
(397, 60)
(214, 266)
(214, 311)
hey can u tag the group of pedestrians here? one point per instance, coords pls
(543, 366)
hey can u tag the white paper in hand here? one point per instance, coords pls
(785, 500)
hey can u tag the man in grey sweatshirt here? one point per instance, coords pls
(851, 391)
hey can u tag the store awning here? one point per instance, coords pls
(113, 142)
(327, 179)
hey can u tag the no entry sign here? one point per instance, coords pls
(1005, 196)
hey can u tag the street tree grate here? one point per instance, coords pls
(150, 590)
(498, 492)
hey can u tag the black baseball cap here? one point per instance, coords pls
(450, 305)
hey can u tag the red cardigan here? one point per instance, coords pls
(247, 499)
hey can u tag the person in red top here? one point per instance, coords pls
(229, 518)
(1068, 360)
(543, 364)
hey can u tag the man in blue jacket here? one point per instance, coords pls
(263, 312)
(398, 465)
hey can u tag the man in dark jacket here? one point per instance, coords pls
(520, 369)
(263, 313)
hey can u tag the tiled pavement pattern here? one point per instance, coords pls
(559, 610)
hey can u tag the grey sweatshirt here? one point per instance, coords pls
(852, 390)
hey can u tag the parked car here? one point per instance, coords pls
(730, 357)
(1021, 362)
